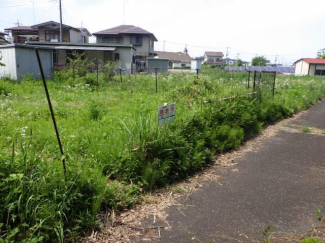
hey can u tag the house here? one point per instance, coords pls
(176, 59)
(21, 60)
(229, 61)
(142, 40)
(2, 34)
(94, 52)
(213, 58)
(310, 66)
(47, 32)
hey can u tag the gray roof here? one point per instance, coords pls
(125, 29)
(54, 24)
(214, 54)
(3, 33)
(24, 28)
(85, 31)
(174, 56)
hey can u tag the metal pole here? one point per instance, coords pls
(61, 32)
(121, 74)
(73, 72)
(97, 74)
(51, 109)
(254, 85)
(249, 77)
(197, 75)
(274, 84)
(156, 80)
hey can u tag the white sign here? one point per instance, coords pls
(166, 114)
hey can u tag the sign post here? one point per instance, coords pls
(166, 114)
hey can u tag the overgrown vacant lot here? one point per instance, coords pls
(113, 146)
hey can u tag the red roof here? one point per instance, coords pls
(312, 60)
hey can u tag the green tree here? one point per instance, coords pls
(259, 61)
(321, 53)
(239, 63)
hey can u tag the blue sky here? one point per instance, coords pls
(286, 29)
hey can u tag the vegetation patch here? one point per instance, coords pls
(113, 147)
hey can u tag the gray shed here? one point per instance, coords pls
(160, 63)
(21, 60)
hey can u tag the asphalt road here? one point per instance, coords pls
(277, 185)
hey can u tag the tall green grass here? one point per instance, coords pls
(114, 149)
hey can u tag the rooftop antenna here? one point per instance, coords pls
(81, 24)
(18, 24)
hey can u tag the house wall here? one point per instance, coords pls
(75, 36)
(9, 59)
(66, 35)
(62, 59)
(302, 68)
(179, 64)
(27, 62)
(126, 40)
(95, 56)
(23, 61)
(126, 56)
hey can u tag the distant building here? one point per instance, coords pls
(142, 40)
(213, 58)
(310, 66)
(176, 59)
(2, 34)
(47, 32)
(229, 61)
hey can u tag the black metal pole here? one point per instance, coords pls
(156, 80)
(273, 91)
(73, 72)
(249, 77)
(51, 109)
(254, 84)
(97, 74)
(197, 75)
(121, 74)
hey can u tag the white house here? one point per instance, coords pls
(310, 66)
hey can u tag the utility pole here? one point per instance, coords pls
(33, 12)
(227, 56)
(124, 11)
(164, 45)
(238, 56)
(276, 58)
(61, 32)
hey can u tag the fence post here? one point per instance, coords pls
(51, 110)
(121, 74)
(156, 80)
(249, 77)
(254, 84)
(197, 75)
(97, 74)
(73, 72)
(274, 84)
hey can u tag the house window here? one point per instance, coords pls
(51, 35)
(136, 40)
(183, 65)
(83, 39)
(112, 40)
(116, 56)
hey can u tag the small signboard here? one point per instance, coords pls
(166, 114)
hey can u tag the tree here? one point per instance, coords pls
(321, 53)
(239, 63)
(259, 61)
